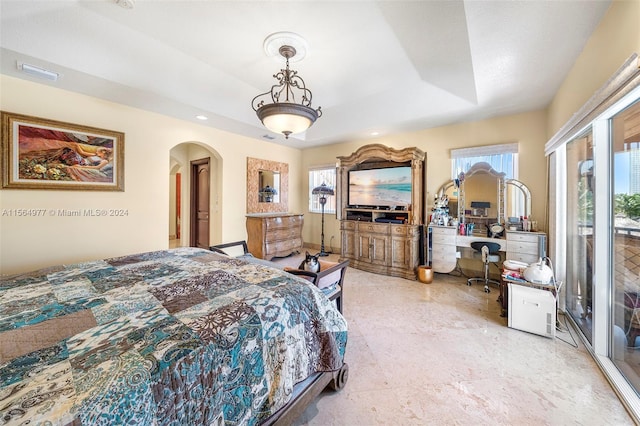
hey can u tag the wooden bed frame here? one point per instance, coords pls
(305, 392)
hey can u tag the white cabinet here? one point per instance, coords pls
(443, 248)
(526, 247)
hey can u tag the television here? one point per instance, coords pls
(386, 187)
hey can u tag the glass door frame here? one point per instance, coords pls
(621, 90)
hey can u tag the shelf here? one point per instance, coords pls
(374, 215)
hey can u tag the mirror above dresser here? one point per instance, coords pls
(484, 196)
(267, 186)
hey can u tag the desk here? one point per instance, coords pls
(466, 240)
(447, 246)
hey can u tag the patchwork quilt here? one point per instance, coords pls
(174, 337)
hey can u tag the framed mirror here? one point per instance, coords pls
(517, 200)
(482, 196)
(508, 199)
(267, 186)
(451, 192)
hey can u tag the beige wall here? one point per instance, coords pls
(31, 242)
(28, 243)
(616, 38)
(611, 44)
(528, 129)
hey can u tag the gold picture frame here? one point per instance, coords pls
(38, 153)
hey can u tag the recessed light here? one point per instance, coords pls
(202, 117)
(126, 4)
(375, 133)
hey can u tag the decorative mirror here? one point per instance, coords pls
(517, 200)
(484, 196)
(267, 186)
(481, 198)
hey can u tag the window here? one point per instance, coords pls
(318, 176)
(502, 158)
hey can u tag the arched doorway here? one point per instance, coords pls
(181, 194)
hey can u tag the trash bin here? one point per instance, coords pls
(425, 274)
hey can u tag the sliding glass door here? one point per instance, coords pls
(625, 240)
(596, 227)
(579, 233)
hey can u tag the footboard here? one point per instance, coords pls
(305, 392)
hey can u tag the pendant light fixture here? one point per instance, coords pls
(286, 108)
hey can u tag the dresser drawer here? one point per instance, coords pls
(444, 231)
(522, 247)
(378, 228)
(523, 237)
(348, 225)
(522, 257)
(399, 230)
(283, 246)
(443, 239)
(282, 222)
(443, 266)
(447, 254)
(282, 234)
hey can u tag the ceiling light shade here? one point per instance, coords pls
(288, 110)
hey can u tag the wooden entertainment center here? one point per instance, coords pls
(383, 239)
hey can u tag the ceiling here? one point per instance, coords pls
(384, 67)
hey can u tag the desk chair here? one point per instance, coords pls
(489, 253)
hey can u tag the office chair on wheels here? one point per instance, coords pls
(489, 253)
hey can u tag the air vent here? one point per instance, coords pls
(38, 72)
(268, 137)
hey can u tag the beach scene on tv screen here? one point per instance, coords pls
(380, 187)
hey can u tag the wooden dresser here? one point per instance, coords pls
(274, 234)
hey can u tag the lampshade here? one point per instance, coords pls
(269, 190)
(286, 115)
(287, 118)
(323, 190)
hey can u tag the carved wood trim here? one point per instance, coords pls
(378, 152)
(254, 165)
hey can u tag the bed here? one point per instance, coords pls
(181, 336)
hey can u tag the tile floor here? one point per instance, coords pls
(422, 354)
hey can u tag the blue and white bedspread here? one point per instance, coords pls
(174, 337)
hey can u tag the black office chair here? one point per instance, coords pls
(489, 253)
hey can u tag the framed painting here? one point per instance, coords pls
(45, 154)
